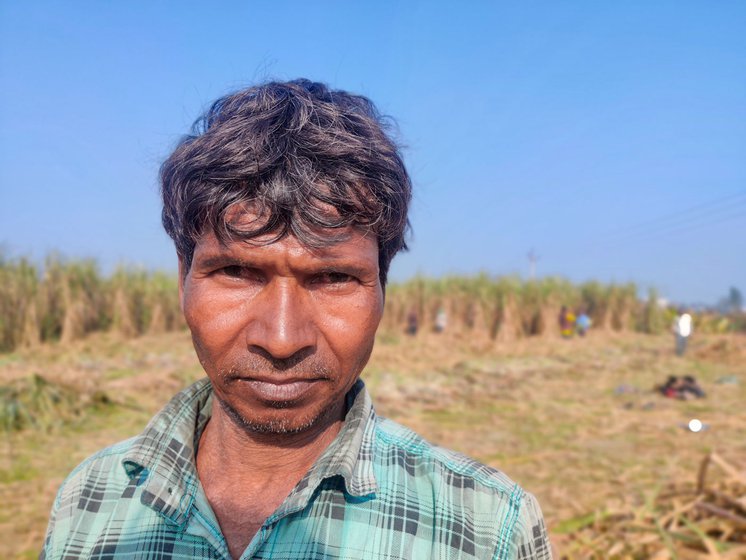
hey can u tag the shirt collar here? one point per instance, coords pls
(162, 458)
(350, 455)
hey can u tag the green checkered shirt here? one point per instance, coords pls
(378, 491)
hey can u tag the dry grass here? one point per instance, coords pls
(685, 519)
(575, 421)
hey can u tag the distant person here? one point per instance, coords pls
(441, 320)
(582, 323)
(670, 388)
(286, 206)
(412, 323)
(682, 329)
(690, 389)
(566, 322)
(685, 388)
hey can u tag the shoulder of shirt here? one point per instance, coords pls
(392, 434)
(105, 460)
(110, 460)
(527, 523)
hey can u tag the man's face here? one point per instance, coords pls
(283, 331)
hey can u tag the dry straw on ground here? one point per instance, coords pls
(703, 517)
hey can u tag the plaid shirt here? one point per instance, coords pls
(378, 491)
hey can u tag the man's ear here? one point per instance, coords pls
(182, 276)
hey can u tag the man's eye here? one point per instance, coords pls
(234, 271)
(335, 278)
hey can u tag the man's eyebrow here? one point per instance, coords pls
(343, 266)
(216, 261)
(323, 265)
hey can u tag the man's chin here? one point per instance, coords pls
(282, 422)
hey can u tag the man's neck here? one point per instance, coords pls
(246, 476)
(239, 453)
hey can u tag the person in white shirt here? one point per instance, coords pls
(682, 329)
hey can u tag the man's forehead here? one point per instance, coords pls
(246, 219)
(254, 213)
(348, 241)
(246, 215)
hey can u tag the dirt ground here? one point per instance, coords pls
(576, 422)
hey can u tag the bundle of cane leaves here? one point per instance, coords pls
(702, 518)
(35, 402)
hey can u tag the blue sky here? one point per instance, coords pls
(609, 137)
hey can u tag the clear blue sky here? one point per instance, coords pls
(610, 137)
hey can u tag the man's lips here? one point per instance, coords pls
(273, 389)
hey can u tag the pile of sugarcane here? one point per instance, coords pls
(698, 519)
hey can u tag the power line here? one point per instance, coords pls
(682, 226)
(686, 228)
(707, 209)
(707, 214)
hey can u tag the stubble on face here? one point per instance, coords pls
(281, 426)
(297, 366)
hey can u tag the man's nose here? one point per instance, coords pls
(281, 320)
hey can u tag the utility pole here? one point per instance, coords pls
(532, 258)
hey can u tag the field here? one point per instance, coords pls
(576, 422)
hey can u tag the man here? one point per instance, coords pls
(286, 207)
(682, 329)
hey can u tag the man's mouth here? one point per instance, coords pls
(279, 390)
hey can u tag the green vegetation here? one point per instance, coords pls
(35, 402)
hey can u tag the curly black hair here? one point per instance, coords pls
(308, 159)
